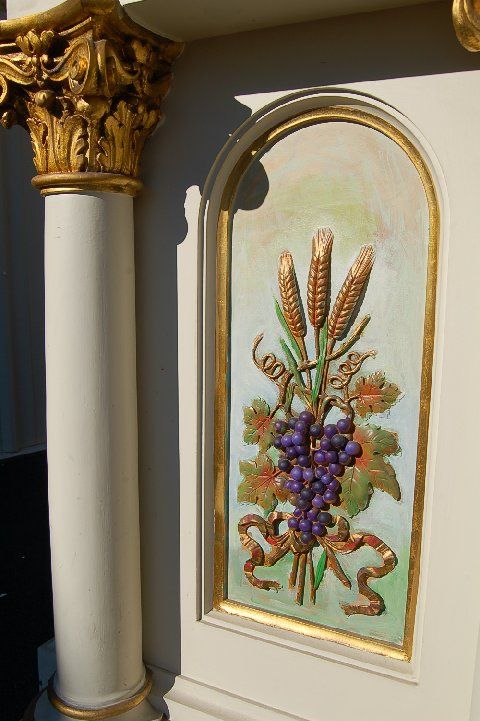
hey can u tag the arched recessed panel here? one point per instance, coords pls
(326, 273)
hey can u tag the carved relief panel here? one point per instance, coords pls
(326, 268)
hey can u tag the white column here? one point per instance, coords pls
(92, 447)
(88, 122)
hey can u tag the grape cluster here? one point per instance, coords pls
(315, 457)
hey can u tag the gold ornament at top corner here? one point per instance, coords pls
(88, 84)
(466, 21)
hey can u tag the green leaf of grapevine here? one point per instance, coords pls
(375, 394)
(371, 470)
(356, 491)
(260, 483)
(259, 427)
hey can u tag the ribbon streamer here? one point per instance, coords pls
(343, 542)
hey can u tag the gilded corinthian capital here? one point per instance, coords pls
(88, 84)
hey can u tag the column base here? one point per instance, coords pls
(42, 710)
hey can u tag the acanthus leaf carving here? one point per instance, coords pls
(87, 85)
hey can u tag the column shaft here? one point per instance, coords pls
(92, 446)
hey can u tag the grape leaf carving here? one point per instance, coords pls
(261, 483)
(259, 427)
(371, 470)
(375, 394)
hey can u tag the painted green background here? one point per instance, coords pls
(362, 185)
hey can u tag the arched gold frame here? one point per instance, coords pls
(224, 226)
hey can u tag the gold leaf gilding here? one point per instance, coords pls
(88, 84)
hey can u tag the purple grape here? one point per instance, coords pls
(298, 439)
(325, 444)
(327, 478)
(303, 504)
(338, 441)
(308, 475)
(344, 458)
(307, 494)
(330, 430)
(318, 487)
(304, 461)
(325, 518)
(301, 427)
(291, 422)
(278, 442)
(284, 464)
(291, 453)
(319, 457)
(296, 473)
(305, 525)
(330, 497)
(287, 440)
(334, 485)
(297, 512)
(302, 450)
(292, 523)
(316, 430)
(296, 486)
(280, 426)
(312, 514)
(307, 417)
(306, 537)
(344, 425)
(318, 529)
(331, 456)
(336, 469)
(318, 501)
(288, 485)
(319, 472)
(353, 449)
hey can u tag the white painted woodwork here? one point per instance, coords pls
(193, 19)
(92, 446)
(407, 64)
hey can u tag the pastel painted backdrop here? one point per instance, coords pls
(364, 187)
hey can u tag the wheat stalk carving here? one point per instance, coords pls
(319, 277)
(290, 296)
(350, 292)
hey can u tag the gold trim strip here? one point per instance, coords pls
(56, 183)
(220, 593)
(305, 628)
(89, 714)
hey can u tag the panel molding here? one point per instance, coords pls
(265, 120)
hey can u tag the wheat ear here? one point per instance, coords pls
(290, 296)
(319, 277)
(292, 305)
(350, 292)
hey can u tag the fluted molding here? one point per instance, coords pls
(466, 21)
(88, 84)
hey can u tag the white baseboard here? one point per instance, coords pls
(184, 699)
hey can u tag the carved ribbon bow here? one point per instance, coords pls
(343, 542)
